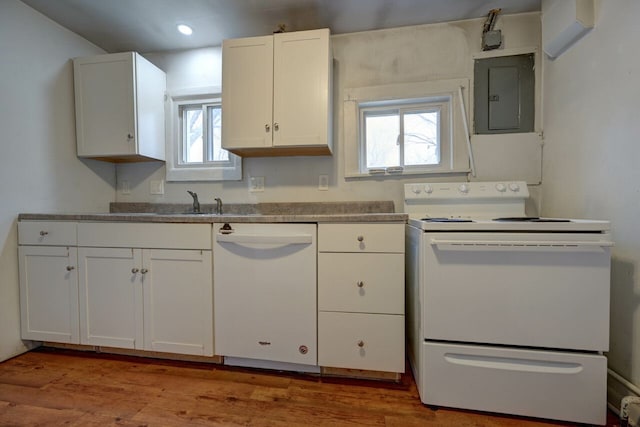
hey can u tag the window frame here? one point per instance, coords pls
(454, 156)
(176, 168)
(439, 104)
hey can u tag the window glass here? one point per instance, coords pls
(422, 138)
(382, 131)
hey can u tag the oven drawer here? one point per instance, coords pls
(525, 296)
(555, 385)
(361, 341)
(368, 283)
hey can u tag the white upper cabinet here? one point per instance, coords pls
(119, 108)
(276, 94)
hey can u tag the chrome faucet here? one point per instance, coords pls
(196, 203)
(218, 206)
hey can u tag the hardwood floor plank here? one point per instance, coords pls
(64, 387)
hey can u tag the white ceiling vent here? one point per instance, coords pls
(564, 22)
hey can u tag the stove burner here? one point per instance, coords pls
(446, 220)
(529, 219)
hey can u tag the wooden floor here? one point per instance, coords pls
(62, 387)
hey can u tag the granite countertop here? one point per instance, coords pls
(251, 213)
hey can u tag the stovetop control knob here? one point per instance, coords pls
(415, 189)
(501, 187)
(463, 188)
(514, 187)
(428, 189)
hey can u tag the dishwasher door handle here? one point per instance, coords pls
(290, 239)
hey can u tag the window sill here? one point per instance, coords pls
(361, 175)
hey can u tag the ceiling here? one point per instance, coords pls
(150, 25)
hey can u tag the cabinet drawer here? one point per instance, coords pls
(361, 341)
(144, 235)
(361, 238)
(367, 283)
(49, 233)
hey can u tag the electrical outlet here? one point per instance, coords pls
(124, 187)
(323, 183)
(256, 184)
(156, 186)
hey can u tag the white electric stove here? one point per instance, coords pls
(506, 313)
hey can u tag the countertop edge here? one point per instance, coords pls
(207, 218)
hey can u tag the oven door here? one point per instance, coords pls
(527, 289)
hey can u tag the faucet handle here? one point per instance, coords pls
(218, 205)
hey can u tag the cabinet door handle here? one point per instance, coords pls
(134, 270)
(360, 343)
(276, 126)
(44, 233)
(129, 136)
(144, 271)
(70, 268)
(360, 238)
(360, 283)
(267, 128)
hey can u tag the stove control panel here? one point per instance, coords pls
(467, 190)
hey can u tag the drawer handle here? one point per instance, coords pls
(144, 271)
(134, 270)
(360, 284)
(44, 233)
(360, 238)
(264, 343)
(70, 268)
(360, 343)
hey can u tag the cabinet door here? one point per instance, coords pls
(49, 294)
(104, 94)
(302, 71)
(178, 301)
(110, 297)
(247, 93)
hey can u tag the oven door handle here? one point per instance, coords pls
(516, 245)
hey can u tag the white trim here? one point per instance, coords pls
(175, 171)
(453, 162)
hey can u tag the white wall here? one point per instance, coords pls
(39, 169)
(407, 54)
(592, 156)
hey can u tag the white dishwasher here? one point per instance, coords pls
(265, 300)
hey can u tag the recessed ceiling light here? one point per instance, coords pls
(185, 29)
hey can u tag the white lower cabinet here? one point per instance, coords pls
(49, 294)
(151, 299)
(48, 281)
(361, 296)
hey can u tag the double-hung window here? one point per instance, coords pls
(195, 148)
(411, 128)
